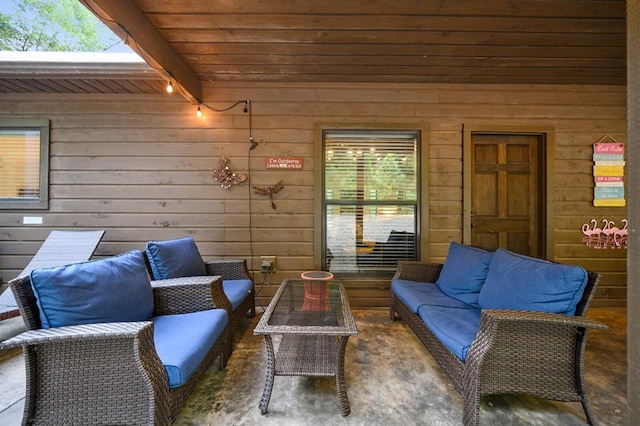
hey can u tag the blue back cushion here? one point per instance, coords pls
(106, 290)
(525, 283)
(464, 272)
(175, 258)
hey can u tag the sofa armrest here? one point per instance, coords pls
(418, 271)
(229, 269)
(540, 318)
(531, 342)
(189, 294)
(111, 330)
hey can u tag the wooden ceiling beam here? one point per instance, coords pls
(130, 24)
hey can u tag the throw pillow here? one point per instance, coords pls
(525, 283)
(106, 290)
(175, 258)
(464, 272)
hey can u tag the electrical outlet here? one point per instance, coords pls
(267, 264)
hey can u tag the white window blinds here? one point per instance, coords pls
(371, 199)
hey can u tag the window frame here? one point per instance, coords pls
(421, 216)
(42, 202)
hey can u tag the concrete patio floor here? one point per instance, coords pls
(391, 380)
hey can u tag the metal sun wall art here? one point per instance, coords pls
(223, 174)
(607, 236)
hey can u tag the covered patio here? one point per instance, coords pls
(127, 157)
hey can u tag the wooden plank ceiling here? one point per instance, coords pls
(446, 41)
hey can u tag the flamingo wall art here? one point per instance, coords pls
(606, 236)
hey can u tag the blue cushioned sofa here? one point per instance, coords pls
(180, 258)
(106, 346)
(498, 322)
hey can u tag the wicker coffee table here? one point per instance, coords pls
(310, 342)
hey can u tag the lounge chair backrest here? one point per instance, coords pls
(60, 248)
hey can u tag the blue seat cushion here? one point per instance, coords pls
(456, 328)
(520, 282)
(237, 291)
(175, 258)
(113, 289)
(182, 341)
(464, 272)
(415, 294)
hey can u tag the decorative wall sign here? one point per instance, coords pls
(608, 173)
(269, 190)
(286, 163)
(607, 236)
(225, 176)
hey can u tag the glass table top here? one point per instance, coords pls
(308, 305)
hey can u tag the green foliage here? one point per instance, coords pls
(389, 176)
(53, 25)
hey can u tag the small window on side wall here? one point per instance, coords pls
(24, 164)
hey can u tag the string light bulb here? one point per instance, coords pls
(199, 111)
(170, 85)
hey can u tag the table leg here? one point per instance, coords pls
(268, 386)
(345, 408)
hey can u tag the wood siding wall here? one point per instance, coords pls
(139, 166)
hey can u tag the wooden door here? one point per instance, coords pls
(507, 194)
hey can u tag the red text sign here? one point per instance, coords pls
(284, 163)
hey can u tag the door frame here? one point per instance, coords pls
(547, 176)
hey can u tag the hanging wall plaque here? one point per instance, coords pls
(608, 173)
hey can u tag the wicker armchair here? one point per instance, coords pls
(514, 352)
(180, 258)
(109, 373)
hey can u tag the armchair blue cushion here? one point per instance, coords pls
(464, 272)
(175, 258)
(182, 342)
(237, 291)
(520, 282)
(106, 290)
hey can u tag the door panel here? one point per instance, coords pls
(506, 194)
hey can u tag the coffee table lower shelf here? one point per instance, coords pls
(307, 355)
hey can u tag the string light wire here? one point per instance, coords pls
(247, 109)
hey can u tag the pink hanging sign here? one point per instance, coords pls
(608, 148)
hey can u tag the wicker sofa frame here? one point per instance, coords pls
(109, 373)
(514, 352)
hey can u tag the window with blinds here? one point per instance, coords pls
(23, 169)
(371, 199)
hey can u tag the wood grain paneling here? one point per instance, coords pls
(449, 41)
(140, 168)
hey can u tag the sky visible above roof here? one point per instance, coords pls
(24, 17)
